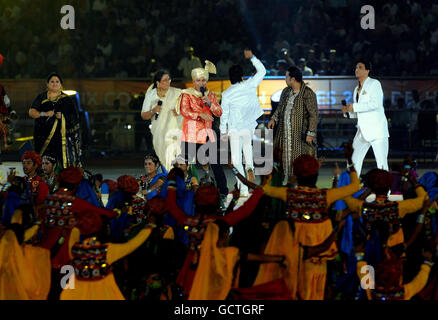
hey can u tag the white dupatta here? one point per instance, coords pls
(167, 128)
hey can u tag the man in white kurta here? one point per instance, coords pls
(241, 108)
(372, 125)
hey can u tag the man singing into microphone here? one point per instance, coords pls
(372, 126)
(197, 105)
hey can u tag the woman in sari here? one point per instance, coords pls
(56, 124)
(154, 182)
(159, 107)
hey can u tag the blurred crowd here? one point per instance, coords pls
(118, 39)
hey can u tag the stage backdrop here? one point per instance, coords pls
(102, 95)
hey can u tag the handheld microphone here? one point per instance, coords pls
(54, 114)
(202, 89)
(157, 114)
(346, 114)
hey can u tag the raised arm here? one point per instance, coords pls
(176, 212)
(420, 223)
(270, 191)
(412, 205)
(260, 71)
(342, 192)
(233, 202)
(275, 192)
(348, 190)
(82, 205)
(245, 210)
(30, 233)
(245, 181)
(354, 204)
(118, 251)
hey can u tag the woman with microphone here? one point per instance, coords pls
(159, 107)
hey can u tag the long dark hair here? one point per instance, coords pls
(152, 156)
(158, 77)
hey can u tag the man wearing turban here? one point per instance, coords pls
(37, 190)
(197, 105)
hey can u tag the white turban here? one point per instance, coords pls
(203, 72)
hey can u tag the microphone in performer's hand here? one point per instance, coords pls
(202, 89)
(54, 115)
(159, 104)
(346, 114)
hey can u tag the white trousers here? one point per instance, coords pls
(241, 141)
(361, 146)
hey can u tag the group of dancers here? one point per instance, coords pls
(167, 235)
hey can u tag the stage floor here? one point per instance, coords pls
(324, 179)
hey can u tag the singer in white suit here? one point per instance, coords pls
(372, 125)
(241, 108)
